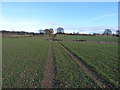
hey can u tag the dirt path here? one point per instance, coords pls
(48, 81)
(87, 70)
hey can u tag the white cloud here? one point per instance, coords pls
(99, 29)
(20, 24)
(31, 25)
(104, 16)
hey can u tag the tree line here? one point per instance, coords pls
(60, 30)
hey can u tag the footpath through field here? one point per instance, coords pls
(48, 81)
(87, 69)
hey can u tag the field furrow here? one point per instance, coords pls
(44, 62)
(68, 73)
(100, 58)
(85, 67)
(48, 81)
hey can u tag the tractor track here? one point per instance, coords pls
(48, 81)
(86, 68)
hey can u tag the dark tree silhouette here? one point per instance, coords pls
(60, 30)
(107, 32)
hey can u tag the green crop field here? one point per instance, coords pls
(24, 62)
(104, 58)
(88, 38)
(68, 73)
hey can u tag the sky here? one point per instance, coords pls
(82, 17)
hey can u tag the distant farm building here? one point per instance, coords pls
(107, 32)
(60, 30)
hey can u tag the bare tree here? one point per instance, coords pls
(118, 32)
(49, 31)
(41, 31)
(107, 32)
(60, 30)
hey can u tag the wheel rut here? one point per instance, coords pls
(48, 81)
(91, 73)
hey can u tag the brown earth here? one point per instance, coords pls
(48, 81)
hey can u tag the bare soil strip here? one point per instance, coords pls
(48, 81)
(91, 73)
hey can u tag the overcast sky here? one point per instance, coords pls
(85, 17)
